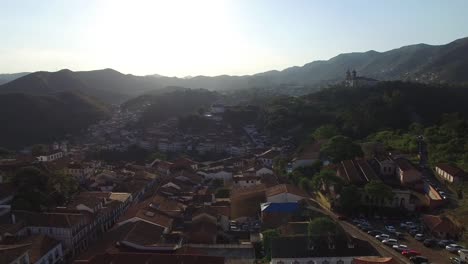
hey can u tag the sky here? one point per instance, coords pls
(213, 37)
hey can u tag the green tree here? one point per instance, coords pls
(326, 178)
(378, 192)
(322, 226)
(304, 184)
(325, 132)
(340, 148)
(31, 185)
(350, 199)
(39, 149)
(61, 187)
(222, 193)
(268, 236)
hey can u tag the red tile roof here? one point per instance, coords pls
(285, 188)
(440, 224)
(152, 258)
(452, 170)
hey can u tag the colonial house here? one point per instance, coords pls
(407, 174)
(284, 193)
(319, 250)
(147, 237)
(73, 230)
(267, 157)
(386, 167)
(244, 181)
(50, 156)
(451, 173)
(441, 227)
(307, 157)
(79, 171)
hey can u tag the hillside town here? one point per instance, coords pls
(245, 207)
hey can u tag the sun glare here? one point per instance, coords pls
(165, 36)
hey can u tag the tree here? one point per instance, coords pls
(378, 192)
(350, 199)
(222, 193)
(39, 149)
(304, 184)
(324, 179)
(325, 132)
(60, 187)
(340, 148)
(31, 185)
(268, 236)
(322, 226)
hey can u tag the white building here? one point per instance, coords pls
(55, 155)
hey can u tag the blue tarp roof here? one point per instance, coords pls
(279, 207)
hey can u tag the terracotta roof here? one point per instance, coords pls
(352, 172)
(152, 258)
(144, 234)
(452, 170)
(202, 232)
(366, 170)
(40, 245)
(9, 253)
(52, 219)
(285, 188)
(440, 224)
(404, 164)
(311, 151)
(146, 213)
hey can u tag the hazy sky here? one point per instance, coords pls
(198, 37)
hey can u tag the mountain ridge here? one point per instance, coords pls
(425, 63)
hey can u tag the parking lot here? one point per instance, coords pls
(435, 253)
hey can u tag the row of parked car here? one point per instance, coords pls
(391, 237)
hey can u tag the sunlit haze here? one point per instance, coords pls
(180, 38)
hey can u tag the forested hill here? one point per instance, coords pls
(174, 102)
(421, 63)
(359, 111)
(28, 119)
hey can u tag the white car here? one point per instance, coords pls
(382, 237)
(390, 242)
(400, 248)
(453, 248)
(390, 228)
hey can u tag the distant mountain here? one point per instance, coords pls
(4, 78)
(423, 63)
(29, 119)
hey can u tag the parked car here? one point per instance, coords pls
(400, 235)
(444, 243)
(419, 237)
(390, 229)
(453, 248)
(406, 224)
(410, 253)
(419, 260)
(382, 237)
(430, 242)
(413, 231)
(400, 248)
(374, 232)
(455, 260)
(390, 242)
